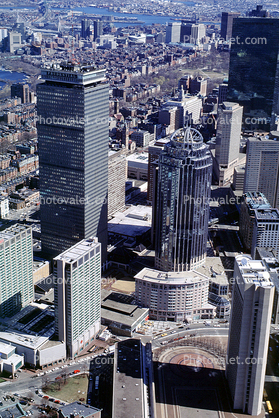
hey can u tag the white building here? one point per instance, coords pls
(141, 137)
(190, 108)
(174, 296)
(77, 294)
(37, 351)
(252, 302)
(228, 133)
(262, 162)
(4, 207)
(138, 166)
(16, 272)
(173, 32)
(266, 230)
(10, 361)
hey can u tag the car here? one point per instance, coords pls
(164, 335)
(51, 399)
(1, 403)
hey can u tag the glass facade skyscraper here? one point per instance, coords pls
(254, 70)
(73, 106)
(182, 202)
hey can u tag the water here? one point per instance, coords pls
(11, 76)
(147, 19)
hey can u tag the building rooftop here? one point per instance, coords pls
(12, 231)
(79, 409)
(78, 250)
(14, 411)
(29, 341)
(6, 348)
(185, 277)
(267, 215)
(256, 200)
(253, 271)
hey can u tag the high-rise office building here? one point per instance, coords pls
(228, 133)
(77, 294)
(227, 23)
(262, 167)
(173, 32)
(256, 42)
(16, 272)
(250, 202)
(183, 192)
(73, 110)
(22, 91)
(266, 230)
(98, 29)
(85, 29)
(253, 293)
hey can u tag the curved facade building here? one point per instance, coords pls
(182, 210)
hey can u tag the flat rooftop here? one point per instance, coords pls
(79, 409)
(6, 348)
(256, 200)
(12, 231)
(133, 222)
(14, 411)
(27, 340)
(268, 215)
(170, 277)
(253, 271)
(128, 380)
(78, 250)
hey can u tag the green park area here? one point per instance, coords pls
(69, 390)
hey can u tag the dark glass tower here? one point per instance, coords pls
(183, 193)
(254, 70)
(98, 29)
(73, 110)
(85, 29)
(227, 23)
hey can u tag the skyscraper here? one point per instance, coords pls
(183, 192)
(98, 29)
(266, 230)
(262, 167)
(77, 295)
(228, 133)
(252, 84)
(20, 90)
(173, 32)
(85, 29)
(73, 106)
(227, 23)
(16, 272)
(253, 293)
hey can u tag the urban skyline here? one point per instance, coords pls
(138, 163)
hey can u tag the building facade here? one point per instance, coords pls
(182, 210)
(77, 295)
(253, 294)
(174, 296)
(73, 106)
(227, 141)
(173, 32)
(16, 273)
(250, 202)
(266, 230)
(227, 23)
(246, 87)
(262, 167)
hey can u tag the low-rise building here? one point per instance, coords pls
(174, 296)
(79, 410)
(122, 317)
